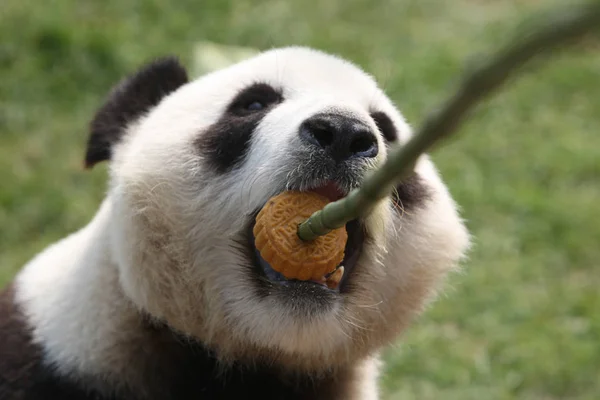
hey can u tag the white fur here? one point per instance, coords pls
(163, 240)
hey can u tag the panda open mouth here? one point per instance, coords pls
(335, 280)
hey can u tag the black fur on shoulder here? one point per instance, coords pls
(175, 368)
(127, 101)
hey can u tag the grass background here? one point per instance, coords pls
(521, 322)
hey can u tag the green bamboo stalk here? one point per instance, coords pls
(559, 28)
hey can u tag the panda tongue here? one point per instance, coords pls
(330, 190)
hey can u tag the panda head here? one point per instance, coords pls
(191, 164)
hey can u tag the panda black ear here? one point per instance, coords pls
(127, 101)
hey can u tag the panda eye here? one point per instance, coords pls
(255, 98)
(255, 106)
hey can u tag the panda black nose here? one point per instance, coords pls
(342, 137)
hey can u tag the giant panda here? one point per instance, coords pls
(163, 295)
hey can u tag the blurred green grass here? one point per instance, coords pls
(521, 322)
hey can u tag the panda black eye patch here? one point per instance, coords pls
(385, 126)
(256, 97)
(225, 143)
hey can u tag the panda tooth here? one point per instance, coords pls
(327, 275)
(333, 280)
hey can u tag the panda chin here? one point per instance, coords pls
(352, 251)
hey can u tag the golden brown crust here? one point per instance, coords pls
(277, 240)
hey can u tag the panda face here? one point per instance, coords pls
(193, 168)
